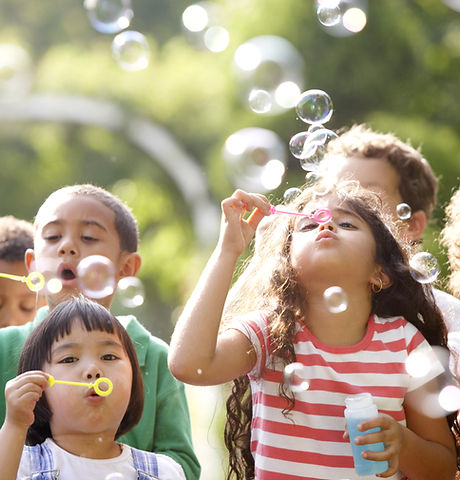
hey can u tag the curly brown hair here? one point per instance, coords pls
(269, 283)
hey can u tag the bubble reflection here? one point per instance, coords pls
(296, 377)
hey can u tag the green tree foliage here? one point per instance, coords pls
(399, 74)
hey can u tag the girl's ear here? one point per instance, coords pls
(380, 280)
(130, 265)
(416, 226)
(29, 259)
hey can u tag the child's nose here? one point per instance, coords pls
(93, 373)
(329, 225)
(67, 247)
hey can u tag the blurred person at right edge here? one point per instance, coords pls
(399, 174)
(450, 238)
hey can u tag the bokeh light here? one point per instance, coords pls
(335, 299)
(296, 377)
(130, 292)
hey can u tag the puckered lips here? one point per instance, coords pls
(67, 273)
(93, 397)
(326, 235)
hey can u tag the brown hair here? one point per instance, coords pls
(58, 323)
(125, 223)
(16, 236)
(269, 283)
(450, 237)
(417, 182)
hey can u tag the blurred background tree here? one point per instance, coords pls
(70, 114)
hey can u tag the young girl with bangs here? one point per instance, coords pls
(276, 315)
(70, 431)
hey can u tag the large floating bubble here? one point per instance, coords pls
(424, 267)
(272, 64)
(96, 276)
(109, 16)
(296, 377)
(329, 13)
(255, 159)
(131, 51)
(314, 106)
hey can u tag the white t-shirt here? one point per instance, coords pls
(73, 467)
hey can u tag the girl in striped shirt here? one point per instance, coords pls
(276, 315)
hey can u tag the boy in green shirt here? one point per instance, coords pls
(76, 222)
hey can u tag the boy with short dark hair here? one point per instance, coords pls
(399, 174)
(76, 222)
(18, 304)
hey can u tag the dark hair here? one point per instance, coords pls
(271, 285)
(16, 236)
(58, 323)
(417, 182)
(125, 223)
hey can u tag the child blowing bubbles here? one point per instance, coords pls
(276, 315)
(69, 429)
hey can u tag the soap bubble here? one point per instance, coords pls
(260, 101)
(311, 146)
(314, 106)
(54, 285)
(131, 51)
(329, 13)
(131, 292)
(273, 64)
(403, 211)
(96, 276)
(449, 398)
(335, 299)
(109, 16)
(424, 267)
(291, 193)
(255, 159)
(297, 144)
(296, 377)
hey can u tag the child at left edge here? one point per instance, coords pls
(18, 304)
(75, 222)
(71, 431)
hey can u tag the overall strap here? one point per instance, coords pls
(145, 463)
(41, 462)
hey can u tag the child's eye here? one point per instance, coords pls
(68, 359)
(308, 226)
(109, 356)
(347, 225)
(88, 238)
(51, 238)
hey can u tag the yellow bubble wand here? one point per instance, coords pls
(35, 280)
(96, 385)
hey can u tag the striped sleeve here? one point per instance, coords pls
(255, 327)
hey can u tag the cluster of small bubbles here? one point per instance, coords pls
(272, 64)
(314, 106)
(259, 101)
(403, 211)
(424, 267)
(329, 13)
(291, 193)
(201, 22)
(54, 285)
(255, 159)
(131, 51)
(131, 292)
(96, 276)
(312, 177)
(109, 16)
(296, 377)
(335, 299)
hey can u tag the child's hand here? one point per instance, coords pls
(21, 395)
(236, 232)
(390, 434)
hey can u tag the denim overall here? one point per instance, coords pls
(145, 464)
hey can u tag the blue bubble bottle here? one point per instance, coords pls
(359, 408)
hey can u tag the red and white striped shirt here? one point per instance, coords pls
(309, 444)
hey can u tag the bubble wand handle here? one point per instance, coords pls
(96, 385)
(35, 281)
(322, 215)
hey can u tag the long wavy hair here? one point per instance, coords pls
(269, 283)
